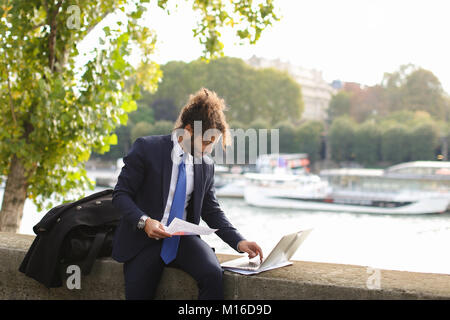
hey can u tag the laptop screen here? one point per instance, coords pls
(285, 248)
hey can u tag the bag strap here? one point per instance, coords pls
(97, 244)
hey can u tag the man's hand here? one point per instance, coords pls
(251, 248)
(155, 229)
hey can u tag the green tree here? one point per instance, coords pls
(367, 143)
(394, 143)
(308, 138)
(142, 113)
(249, 92)
(161, 127)
(341, 137)
(259, 123)
(162, 109)
(123, 144)
(53, 115)
(424, 140)
(423, 91)
(414, 88)
(236, 124)
(141, 128)
(287, 137)
(123, 132)
(340, 105)
(402, 116)
(144, 128)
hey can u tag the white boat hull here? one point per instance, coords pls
(231, 190)
(267, 197)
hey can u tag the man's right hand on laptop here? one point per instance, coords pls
(251, 248)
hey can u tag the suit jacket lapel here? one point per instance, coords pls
(166, 169)
(198, 187)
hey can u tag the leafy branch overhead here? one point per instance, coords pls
(54, 111)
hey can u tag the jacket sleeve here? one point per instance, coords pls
(215, 218)
(128, 183)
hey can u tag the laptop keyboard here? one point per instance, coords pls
(250, 265)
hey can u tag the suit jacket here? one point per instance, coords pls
(143, 187)
(42, 261)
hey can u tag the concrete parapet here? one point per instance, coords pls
(302, 280)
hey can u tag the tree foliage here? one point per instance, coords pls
(394, 143)
(415, 88)
(54, 114)
(340, 105)
(147, 129)
(401, 136)
(249, 93)
(409, 88)
(341, 138)
(367, 143)
(309, 138)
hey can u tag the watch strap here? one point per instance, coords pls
(141, 223)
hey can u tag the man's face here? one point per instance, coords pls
(199, 145)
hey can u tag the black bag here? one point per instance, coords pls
(72, 233)
(84, 244)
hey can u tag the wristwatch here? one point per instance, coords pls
(141, 223)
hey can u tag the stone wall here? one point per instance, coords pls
(302, 280)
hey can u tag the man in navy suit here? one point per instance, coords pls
(162, 179)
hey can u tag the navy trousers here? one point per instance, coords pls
(143, 272)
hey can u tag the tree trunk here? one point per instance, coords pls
(14, 197)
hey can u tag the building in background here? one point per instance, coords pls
(316, 91)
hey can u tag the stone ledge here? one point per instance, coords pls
(302, 280)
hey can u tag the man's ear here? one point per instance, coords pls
(187, 136)
(189, 128)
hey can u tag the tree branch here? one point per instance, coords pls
(46, 6)
(103, 16)
(11, 105)
(40, 25)
(52, 36)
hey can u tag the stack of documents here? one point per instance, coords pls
(180, 227)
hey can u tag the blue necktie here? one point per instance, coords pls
(170, 245)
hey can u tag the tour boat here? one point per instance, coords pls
(231, 183)
(312, 192)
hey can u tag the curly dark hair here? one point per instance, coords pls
(205, 106)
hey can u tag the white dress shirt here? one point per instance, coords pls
(189, 165)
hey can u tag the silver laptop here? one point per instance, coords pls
(280, 254)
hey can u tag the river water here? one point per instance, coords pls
(411, 243)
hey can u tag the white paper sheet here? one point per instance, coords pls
(180, 227)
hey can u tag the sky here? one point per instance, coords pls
(349, 40)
